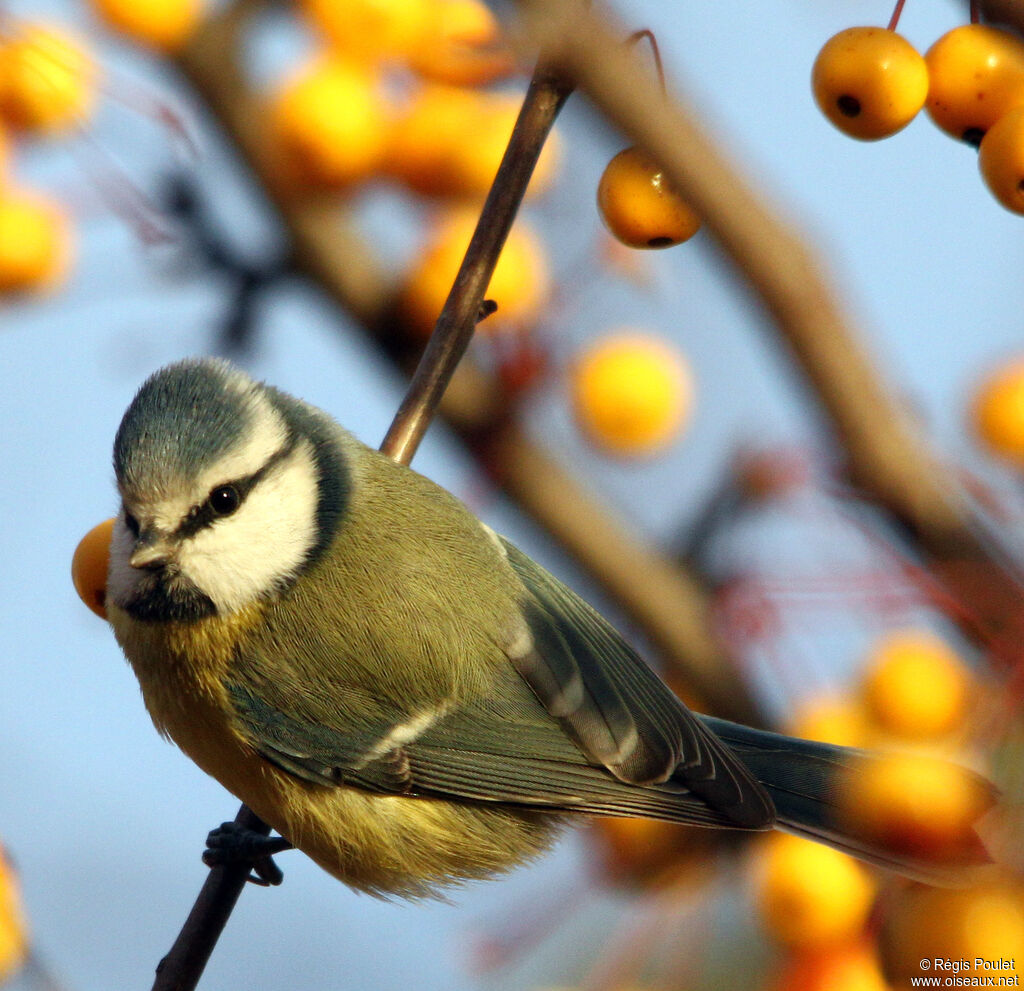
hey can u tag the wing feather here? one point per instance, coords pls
(620, 700)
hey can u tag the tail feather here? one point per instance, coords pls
(804, 780)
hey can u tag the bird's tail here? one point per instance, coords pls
(805, 781)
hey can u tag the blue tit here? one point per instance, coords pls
(395, 688)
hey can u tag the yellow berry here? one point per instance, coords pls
(631, 393)
(916, 687)
(976, 76)
(89, 567)
(449, 142)
(34, 243)
(329, 125)
(162, 24)
(640, 207)
(830, 720)
(475, 161)
(916, 805)
(461, 45)
(47, 80)
(519, 284)
(1001, 160)
(369, 30)
(13, 928)
(425, 135)
(869, 82)
(998, 411)
(982, 926)
(811, 895)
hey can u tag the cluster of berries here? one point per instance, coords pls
(870, 82)
(49, 84)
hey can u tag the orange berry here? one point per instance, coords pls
(519, 284)
(162, 24)
(811, 895)
(839, 968)
(34, 243)
(998, 411)
(461, 45)
(830, 720)
(631, 393)
(916, 805)
(639, 206)
(450, 141)
(89, 567)
(47, 80)
(1001, 159)
(329, 124)
(916, 687)
(369, 30)
(869, 82)
(976, 76)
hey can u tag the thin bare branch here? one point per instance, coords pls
(181, 969)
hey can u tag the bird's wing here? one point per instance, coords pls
(576, 720)
(505, 750)
(615, 707)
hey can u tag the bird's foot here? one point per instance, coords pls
(231, 843)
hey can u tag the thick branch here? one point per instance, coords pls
(886, 457)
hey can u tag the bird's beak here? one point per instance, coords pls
(152, 550)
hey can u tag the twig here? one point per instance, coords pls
(181, 969)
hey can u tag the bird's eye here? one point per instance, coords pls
(132, 523)
(224, 500)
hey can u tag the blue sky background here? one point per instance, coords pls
(105, 819)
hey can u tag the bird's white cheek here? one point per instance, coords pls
(249, 554)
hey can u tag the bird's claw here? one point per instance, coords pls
(231, 843)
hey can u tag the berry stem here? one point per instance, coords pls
(898, 10)
(655, 51)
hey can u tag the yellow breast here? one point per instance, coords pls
(181, 667)
(378, 843)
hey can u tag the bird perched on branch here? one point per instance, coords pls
(396, 689)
